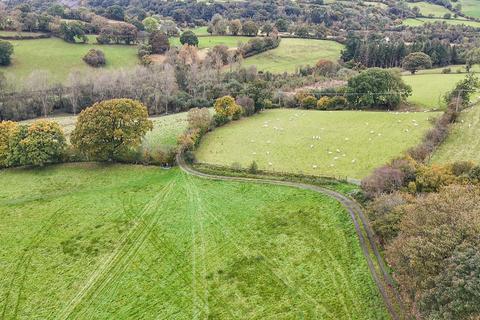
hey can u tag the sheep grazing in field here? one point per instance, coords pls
(311, 146)
(268, 141)
(372, 132)
(344, 155)
(406, 130)
(314, 167)
(332, 165)
(336, 158)
(270, 164)
(252, 141)
(330, 152)
(379, 134)
(254, 153)
(353, 161)
(338, 150)
(346, 139)
(268, 152)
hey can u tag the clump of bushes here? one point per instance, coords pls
(258, 45)
(95, 58)
(37, 144)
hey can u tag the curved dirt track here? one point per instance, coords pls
(380, 277)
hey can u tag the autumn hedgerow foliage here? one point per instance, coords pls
(109, 129)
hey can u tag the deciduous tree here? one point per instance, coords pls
(416, 61)
(108, 129)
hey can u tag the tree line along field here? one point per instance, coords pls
(462, 144)
(339, 143)
(166, 130)
(158, 243)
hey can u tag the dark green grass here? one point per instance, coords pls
(127, 242)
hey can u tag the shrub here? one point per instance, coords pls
(323, 103)
(159, 42)
(189, 140)
(326, 67)
(227, 106)
(188, 37)
(385, 213)
(474, 174)
(309, 102)
(110, 128)
(253, 167)
(385, 179)
(6, 51)
(220, 120)
(8, 129)
(446, 70)
(95, 58)
(247, 104)
(462, 168)
(199, 119)
(432, 178)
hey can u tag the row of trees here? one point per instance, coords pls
(382, 52)
(426, 218)
(182, 82)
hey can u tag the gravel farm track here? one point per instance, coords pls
(381, 276)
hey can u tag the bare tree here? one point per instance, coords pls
(38, 82)
(74, 84)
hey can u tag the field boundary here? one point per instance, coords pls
(376, 265)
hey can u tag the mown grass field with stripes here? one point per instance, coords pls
(161, 244)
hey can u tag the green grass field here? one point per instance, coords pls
(339, 143)
(60, 58)
(164, 135)
(87, 241)
(292, 53)
(429, 89)
(462, 143)
(471, 7)
(421, 21)
(212, 41)
(426, 9)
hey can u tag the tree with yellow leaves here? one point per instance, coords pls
(109, 129)
(226, 106)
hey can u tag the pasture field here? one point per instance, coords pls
(88, 241)
(292, 53)
(471, 7)
(428, 90)
(164, 135)
(212, 41)
(462, 143)
(415, 22)
(60, 58)
(455, 69)
(427, 9)
(338, 143)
